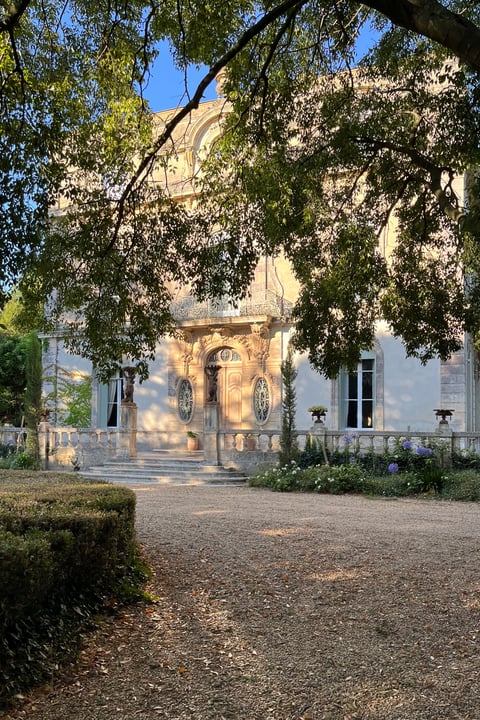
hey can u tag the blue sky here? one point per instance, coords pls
(166, 88)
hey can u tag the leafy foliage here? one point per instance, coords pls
(16, 318)
(70, 401)
(77, 397)
(380, 149)
(318, 161)
(12, 378)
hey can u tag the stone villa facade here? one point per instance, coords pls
(247, 343)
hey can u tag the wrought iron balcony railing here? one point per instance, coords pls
(265, 302)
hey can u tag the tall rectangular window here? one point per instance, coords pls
(360, 396)
(115, 394)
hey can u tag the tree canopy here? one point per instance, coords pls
(323, 150)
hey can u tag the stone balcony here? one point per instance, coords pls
(262, 303)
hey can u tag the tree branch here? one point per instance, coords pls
(446, 197)
(12, 14)
(434, 21)
(146, 164)
(263, 76)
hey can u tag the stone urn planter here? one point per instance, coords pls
(318, 412)
(442, 415)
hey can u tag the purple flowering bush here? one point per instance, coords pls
(405, 456)
(408, 468)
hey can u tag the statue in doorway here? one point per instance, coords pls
(128, 384)
(211, 371)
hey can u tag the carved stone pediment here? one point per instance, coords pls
(255, 339)
(221, 333)
(216, 337)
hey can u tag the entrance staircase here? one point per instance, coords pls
(164, 467)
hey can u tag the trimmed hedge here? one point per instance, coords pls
(66, 543)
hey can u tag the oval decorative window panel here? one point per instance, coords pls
(261, 400)
(185, 400)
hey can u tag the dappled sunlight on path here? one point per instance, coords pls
(289, 607)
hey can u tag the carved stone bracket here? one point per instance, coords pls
(186, 342)
(259, 340)
(272, 380)
(220, 334)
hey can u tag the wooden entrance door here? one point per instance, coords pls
(229, 393)
(231, 397)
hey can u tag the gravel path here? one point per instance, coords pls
(288, 607)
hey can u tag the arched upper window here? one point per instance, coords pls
(225, 355)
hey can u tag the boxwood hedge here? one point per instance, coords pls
(66, 543)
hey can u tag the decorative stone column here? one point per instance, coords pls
(44, 441)
(443, 424)
(128, 430)
(128, 416)
(210, 442)
(210, 437)
(318, 431)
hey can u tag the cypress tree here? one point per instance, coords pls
(288, 437)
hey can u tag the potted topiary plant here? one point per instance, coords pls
(192, 440)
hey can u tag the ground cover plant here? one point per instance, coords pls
(67, 547)
(407, 469)
(15, 456)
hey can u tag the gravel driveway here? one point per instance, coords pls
(288, 607)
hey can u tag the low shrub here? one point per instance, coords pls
(321, 478)
(339, 479)
(406, 455)
(394, 484)
(65, 545)
(465, 459)
(463, 485)
(281, 478)
(23, 461)
(428, 480)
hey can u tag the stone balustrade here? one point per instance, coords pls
(10, 435)
(248, 449)
(252, 449)
(379, 441)
(63, 447)
(88, 439)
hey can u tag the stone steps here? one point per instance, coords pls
(165, 467)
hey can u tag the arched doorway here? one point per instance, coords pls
(230, 386)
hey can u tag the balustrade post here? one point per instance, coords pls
(44, 443)
(210, 434)
(128, 430)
